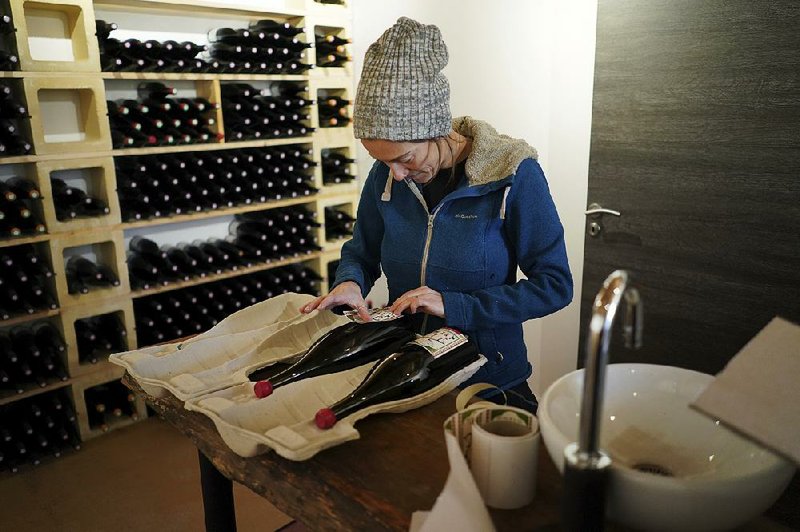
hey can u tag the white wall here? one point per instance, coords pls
(525, 66)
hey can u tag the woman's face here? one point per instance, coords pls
(418, 161)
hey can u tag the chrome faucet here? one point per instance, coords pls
(585, 465)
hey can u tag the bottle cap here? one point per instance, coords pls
(325, 418)
(263, 389)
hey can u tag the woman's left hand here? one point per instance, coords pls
(422, 299)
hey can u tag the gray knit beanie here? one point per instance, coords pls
(402, 94)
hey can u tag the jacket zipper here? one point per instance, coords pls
(428, 238)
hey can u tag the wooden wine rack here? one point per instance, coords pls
(44, 81)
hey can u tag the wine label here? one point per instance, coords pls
(377, 314)
(441, 341)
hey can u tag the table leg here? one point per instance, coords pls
(218, 508)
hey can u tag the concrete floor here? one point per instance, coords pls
(144, 477)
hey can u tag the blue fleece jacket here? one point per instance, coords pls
(478, 235)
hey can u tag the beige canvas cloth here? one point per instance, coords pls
(254, 337)
(210, 373)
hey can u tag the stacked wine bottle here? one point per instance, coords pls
(31, 355)
(188, 311)
(278, 234)
(13, 118)
(266, 47)
(159, 119)
(335, 168)
(84, 275)
(25, 281)
(331, 51)
(338, 224)
(255, 238)
(37, 428)
(8, 58)
(155, 186)
(133, 55)
(99, 336)
(109, 403)
(72, 202)
(250, 113)
(333, 111)
(20, 209)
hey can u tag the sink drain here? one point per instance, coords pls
(653, 469)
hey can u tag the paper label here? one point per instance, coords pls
(377, 314)
(441, 341)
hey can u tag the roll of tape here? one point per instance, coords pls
(503, 456)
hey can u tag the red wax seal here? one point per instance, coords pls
(325, 418)
(263, 389)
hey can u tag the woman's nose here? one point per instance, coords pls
(400, 172)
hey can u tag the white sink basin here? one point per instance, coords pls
(672, 468)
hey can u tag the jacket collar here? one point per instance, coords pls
(492, 162)
(493, 156)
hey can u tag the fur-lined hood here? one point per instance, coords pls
(493, 156)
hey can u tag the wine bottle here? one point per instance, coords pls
(333, 159)
(103, 29)
(10, 108)
(76, 285)
(332, 60)
(23, 342)
(6, 24)
(96, 408)
(342, 348)
(275, 27)
(220, 257)
(24, 188)
(240, 90)
(143, 274)
(8, 61)
(48, 338)
(414, 369)
(205, 262)
(332, 39)
(84, 270)
(186, 264)
(326, 47)
(230, 36)
(146, 247)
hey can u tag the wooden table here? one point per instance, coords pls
(375, 483)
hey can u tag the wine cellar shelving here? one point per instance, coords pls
(67, 148)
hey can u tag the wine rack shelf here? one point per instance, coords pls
(216, 213)
(20, 240)
(65, 93)
(27, 318)
(212, 146)
(42, 19)
(31, 390)
(224, 275)
(102, 183)
(47, 97)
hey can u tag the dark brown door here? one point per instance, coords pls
(696, 142)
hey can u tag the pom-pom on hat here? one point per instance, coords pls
(402, 94)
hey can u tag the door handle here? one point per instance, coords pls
(595, 210)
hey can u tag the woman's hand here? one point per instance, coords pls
(348, 293)
(422, 299)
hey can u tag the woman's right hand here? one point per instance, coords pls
(348, 293)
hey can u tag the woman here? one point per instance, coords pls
(449, 211)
